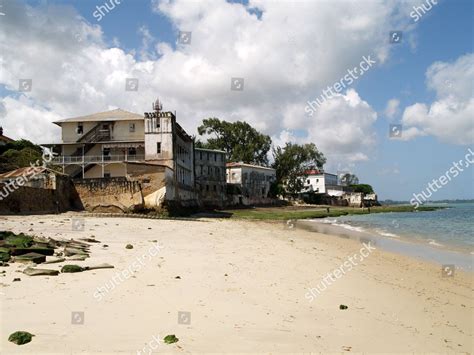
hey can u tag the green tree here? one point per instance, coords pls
(18, 154)
(292, 161)
(364, 188)
(349, 179)
(238, 139)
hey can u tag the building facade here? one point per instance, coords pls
(210, 176)
(251, 181)
(153, 149)
(320, 182)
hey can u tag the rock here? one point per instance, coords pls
(53, 261)
(129, 246)
(89, 240)
(40, 250)
(101, 266)
(74, 251)
(78, 257)
(20, 337)
(71, 268)
(342, 306)
(40, 272)
(105, 246)
(170, 339)
(16, 279)
(178, 277)
(30, 258)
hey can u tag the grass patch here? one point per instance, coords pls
(284, 213)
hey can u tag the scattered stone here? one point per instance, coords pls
(129, 246)
(101, 266)
(178, 277)
(71, 268)
(40, 272)
(78, 257)
(89, 240)
(20, 337)
(30, 257)
(170, 339)
(16, 279)
(74, 251)
(342, 306)
(53, 261)
(105, 246)
(2, 263)
(226, 275)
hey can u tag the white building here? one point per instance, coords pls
(322, 183)
(253, 180)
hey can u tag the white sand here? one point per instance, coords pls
(396, 304)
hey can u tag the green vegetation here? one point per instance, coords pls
(364, 188)
(285, 213)
(18, 154)
(241, 141)
(9, 239)
(20, 337)
(170, 339)
(292, 161)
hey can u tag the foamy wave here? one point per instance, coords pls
(386, 234)
(434, 242)
(349, 227)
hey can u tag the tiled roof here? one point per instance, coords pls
(113, 115)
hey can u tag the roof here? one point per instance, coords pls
(317, 172)
(6, 139)
(26, 171)
(238, 165)
(211, 150)
(113, 115)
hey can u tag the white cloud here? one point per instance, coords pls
(392, 108)
(75, 72)
(450, 117)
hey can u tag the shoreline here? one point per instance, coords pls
(242, 281)
(414, 247)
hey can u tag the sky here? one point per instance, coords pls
(65, 58)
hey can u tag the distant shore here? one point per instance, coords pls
(245, 285)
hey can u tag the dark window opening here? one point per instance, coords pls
(158, 148)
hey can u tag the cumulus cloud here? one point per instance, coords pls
(286, 53)
(450, 117)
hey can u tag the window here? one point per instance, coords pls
(158, 123)
(207, 156)
(201, 170)
(158, 148)
(307, 181)
(215, 157)
(207, 187)
(106, 175)
(80, 128)
(200, 155)
(215, 188)
(132, 151)
(131, 127)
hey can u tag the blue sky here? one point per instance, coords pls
(397, 168)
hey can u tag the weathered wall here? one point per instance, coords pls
(109, 195)
(31, 200)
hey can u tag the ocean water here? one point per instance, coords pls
(452, 227)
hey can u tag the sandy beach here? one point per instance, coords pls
(242, 286)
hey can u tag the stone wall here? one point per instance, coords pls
(32, 200)
(110, 195)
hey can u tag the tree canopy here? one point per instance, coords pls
(349, 179)
(364, 188)
(292, 161)
(18, 154)
(238, 139)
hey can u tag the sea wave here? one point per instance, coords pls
(384, 233)
(434, 242)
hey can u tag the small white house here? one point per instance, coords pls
(254, 180)
(320, 182)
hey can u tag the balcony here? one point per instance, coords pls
(97, 159)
